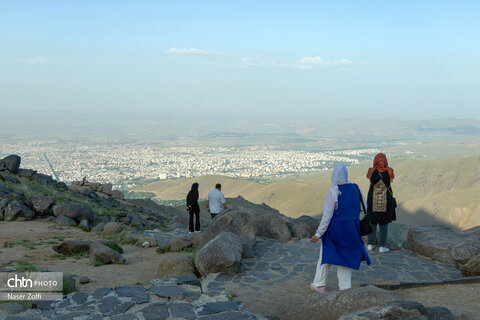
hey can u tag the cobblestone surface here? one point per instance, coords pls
(276, 263)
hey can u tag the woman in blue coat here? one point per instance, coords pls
(339, 230)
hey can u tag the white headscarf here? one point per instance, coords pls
(339, 177)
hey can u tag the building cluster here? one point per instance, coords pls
(127, 165)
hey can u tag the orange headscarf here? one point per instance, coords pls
(381, 164)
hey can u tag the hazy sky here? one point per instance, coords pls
(351, 58)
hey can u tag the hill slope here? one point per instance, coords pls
(441, 191)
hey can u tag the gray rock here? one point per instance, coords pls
(117, 195)
(26, 173)
(167, 292)
(98, 227)
(83, 280)
(195, 238)
(11, 179)
(10, 163)
(70, 247)
(401, 310)
(104, 254)
(17, 209)
(101, 292)
(79, 297)
(335, 304)
(174, 264)
(112, 228)
(143, 239)
(6, 191)
(221, 254)
(182, 311)
(106, 188)
(85, 224)
(218, 307)
(155, 311)
(137, 294)
(472, 267)
(273, 227)
(298, 231)
(179, 244)
(77, 212)
(108, 304)
(40, 204)
(11, 307)
(65, 221)
(442, 244)
(43, 179)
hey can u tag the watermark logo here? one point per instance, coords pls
(31, 286)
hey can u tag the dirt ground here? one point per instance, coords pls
(140, 268)
(462, 299)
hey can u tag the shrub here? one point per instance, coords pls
(163, 249)
(115, 246)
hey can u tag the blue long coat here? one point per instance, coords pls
(342, 243)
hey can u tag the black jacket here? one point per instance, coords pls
(381, 217)
(192, 200)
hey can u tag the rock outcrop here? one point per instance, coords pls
(100, 253)
(10, 163)
(221, 254)
(77, 212)
(174, 264)
(442, 244)
(104, 189)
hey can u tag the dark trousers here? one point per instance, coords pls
(372, 237)
(197, 221)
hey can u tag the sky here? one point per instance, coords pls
(405, 59)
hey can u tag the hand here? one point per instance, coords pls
(314, 239)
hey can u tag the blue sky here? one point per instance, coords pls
(407, 59)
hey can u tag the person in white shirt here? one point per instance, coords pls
(216, 201)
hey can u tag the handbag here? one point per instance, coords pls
(365, 226)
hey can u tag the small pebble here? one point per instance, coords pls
(83, 280)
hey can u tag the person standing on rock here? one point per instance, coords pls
(216, 201)
(380, 200)
(193, 208)
(339, 229)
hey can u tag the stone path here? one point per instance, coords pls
(275, 263)
(281, 273)
(171, 298)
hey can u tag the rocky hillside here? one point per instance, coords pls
(27, 195)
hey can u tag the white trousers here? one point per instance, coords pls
(344, 274)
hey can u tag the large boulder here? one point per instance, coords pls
(442, 244)
(173, 265)
(247, 226)
(26, 173)
(308, 223)
(402, 309)
(178, 244)
(112, 228)
(65, 221)
(77, 212)
(273, 227)
(472, 267)
(333, 305)
(40, 204)
(70, 247)
(17, 209)
(43, 179)
(221, 254)
(100, 253)
(118, 195)
(10, 163)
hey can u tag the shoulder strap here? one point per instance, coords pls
(361, 198)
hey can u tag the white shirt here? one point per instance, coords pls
(331, 202)
(215, 199)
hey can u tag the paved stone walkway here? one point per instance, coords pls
(276, 263)
(171, 298)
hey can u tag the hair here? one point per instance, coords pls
(195, 186)
(218, 186)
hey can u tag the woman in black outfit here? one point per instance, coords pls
(380, 200)
(193, 208)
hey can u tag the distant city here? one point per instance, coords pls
(129, 165)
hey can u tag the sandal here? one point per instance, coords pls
(318, 289)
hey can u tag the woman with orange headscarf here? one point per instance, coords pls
(380, 201)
